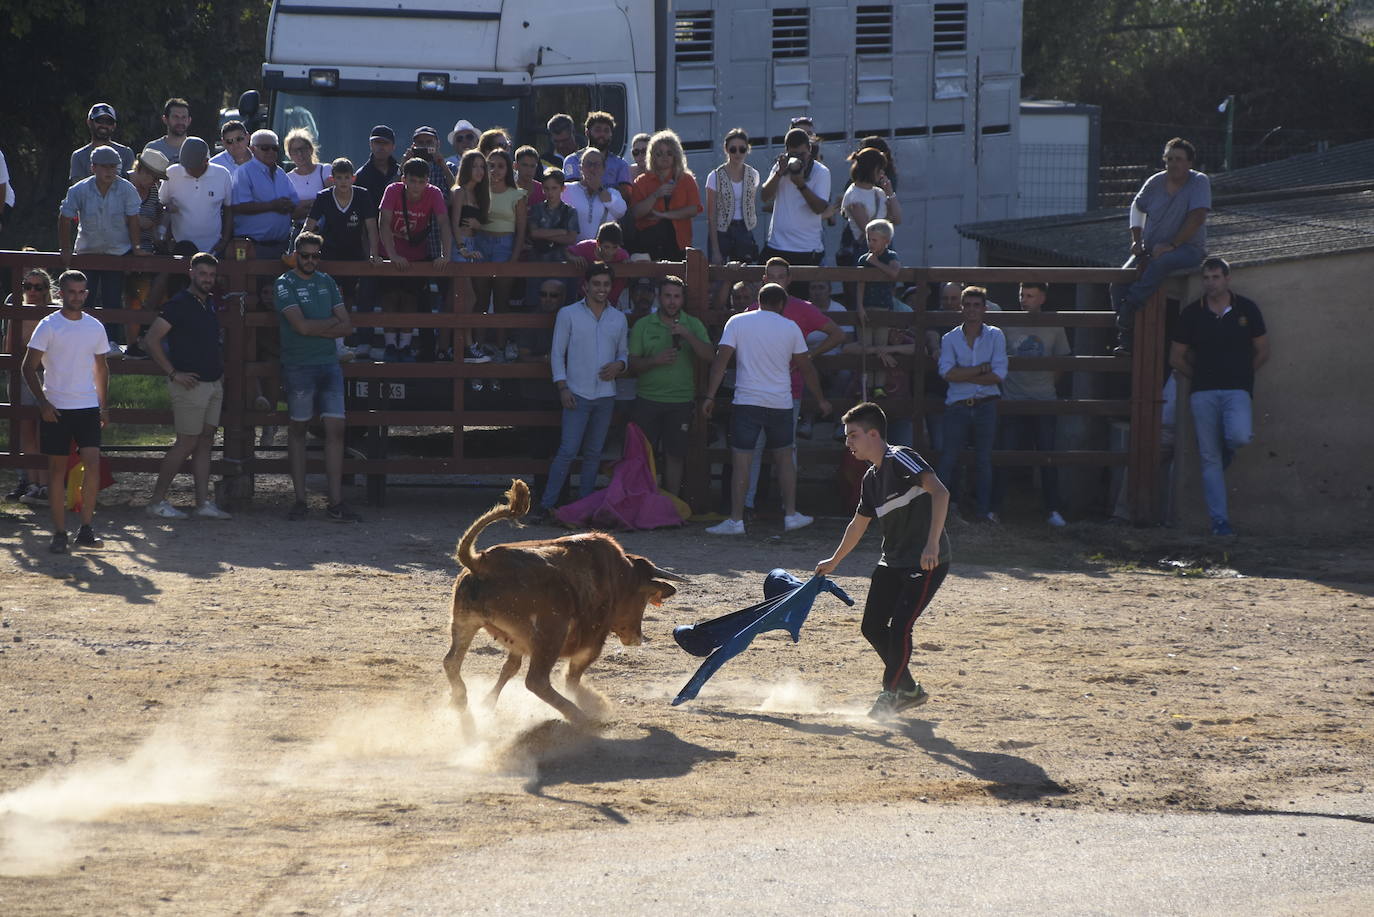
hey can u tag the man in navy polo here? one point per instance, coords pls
(973, 360)
(1219, 342)
(264, 198)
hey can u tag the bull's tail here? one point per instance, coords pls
(517, 504)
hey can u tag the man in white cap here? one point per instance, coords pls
(264, 198)
(101, 120)
(106, 206)
(195, 198)
(462, 138)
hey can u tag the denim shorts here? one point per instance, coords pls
(748, 419)
(313, 389)
(494, 247)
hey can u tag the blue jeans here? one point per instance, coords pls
(584, 430)
(1014, 432)
(313, 389)
(1131, 298)
(1222, 420)
(981, 420)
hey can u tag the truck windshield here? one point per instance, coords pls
(342, 123)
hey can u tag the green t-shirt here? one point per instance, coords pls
(316, 295)
(676, 382)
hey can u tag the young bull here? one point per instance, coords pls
(547, 599)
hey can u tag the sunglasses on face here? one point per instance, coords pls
(35, 287)
(263, 147)
(640, 151)
(737, 150)
(228, 140)
(467, 137)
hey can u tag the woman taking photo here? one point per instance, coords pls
(469, 205)
(732, 204)
(664, 200)
(502, 236)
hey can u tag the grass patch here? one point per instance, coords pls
(144, 392)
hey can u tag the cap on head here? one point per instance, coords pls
(154, 161)
(382, 132)
(101, 110)
(463, 124)
(194, 152)
(424, 131)
(106, 156)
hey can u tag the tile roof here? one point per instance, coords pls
(1348, 162)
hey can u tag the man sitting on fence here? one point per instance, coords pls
(590, 349)
(973, 360)
(664, 350)
(195, 383)
(311, 313)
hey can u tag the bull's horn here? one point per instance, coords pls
(660, 573)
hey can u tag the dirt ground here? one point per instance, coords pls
(250, 717)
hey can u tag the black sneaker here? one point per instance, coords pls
(908, 699)
(340, 512)
(298, 511)
(885, 707)
(59, 543)
(85, 538)
(135, 352)
(20, 488)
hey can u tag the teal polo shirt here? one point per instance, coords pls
(316, 295)
(676, 382)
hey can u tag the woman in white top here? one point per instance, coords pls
(594, 202)
(309, 177)
(870, 196)
(732, 191)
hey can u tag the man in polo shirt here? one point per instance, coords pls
(195, 383)
(195, 197)
(973, 360)
(233, 136)
(104, 208)
(769, 346)
(311, 313)
(590, 348)
(101, 121)
(264, 199)
(798, 187)
(664, 349)
(176, 117)
(1219, 342)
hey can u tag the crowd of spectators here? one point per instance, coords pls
(577, 202)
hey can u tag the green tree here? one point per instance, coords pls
(63, 55)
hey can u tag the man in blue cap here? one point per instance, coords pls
(101, 121)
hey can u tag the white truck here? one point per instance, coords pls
(938, 81)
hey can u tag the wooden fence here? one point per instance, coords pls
(246, 325)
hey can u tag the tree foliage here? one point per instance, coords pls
(1154, 65)
(61, 56)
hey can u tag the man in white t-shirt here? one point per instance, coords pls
(769, 346)
(798, 187)
(70, 347)
(196, 196)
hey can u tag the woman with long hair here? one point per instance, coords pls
(502, 236)
(664, 200)
(732, 204)
(469, 206)
(869, 196)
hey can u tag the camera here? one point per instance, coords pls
(794, 165)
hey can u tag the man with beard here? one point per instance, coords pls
(176, 116)
(311, 313)
(195, 382)
(664, 349)
(600, 128)
(101, 121)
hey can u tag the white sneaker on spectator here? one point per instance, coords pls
(796, 521)
(163, 510)
(728, 527)
(475, 354)
(1056, 520)
(208, 510)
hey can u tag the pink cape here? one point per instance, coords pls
(632, 500)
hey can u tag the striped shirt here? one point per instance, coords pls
(892, 492)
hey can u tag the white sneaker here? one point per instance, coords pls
(209, 510)
(728, 527)
(1056, 520)
(163, 510)
(796, 521)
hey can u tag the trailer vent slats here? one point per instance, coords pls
(873, 30)
(951, 26)
(791, 32)
(693, 35)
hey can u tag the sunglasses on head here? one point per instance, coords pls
(35, 287)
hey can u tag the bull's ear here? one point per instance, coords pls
(656, 591)
(648, 569)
